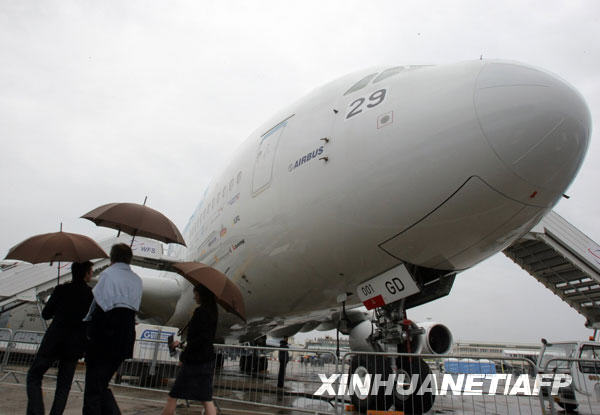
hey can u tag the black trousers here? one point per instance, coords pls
(40, 365)
(281, 374)
(97, 398)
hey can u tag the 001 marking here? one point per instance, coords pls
(367, 289)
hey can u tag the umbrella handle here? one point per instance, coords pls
(58, 266)
(135, 231)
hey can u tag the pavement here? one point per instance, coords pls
(239, 394)
(131, 402)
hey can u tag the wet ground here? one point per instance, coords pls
(238, 393)
(145, 402)
(132, 402)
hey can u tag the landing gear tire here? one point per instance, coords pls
(368, 364)
(413, 403)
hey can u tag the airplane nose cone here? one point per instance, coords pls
(537, 124)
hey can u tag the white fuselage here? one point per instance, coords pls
(437, 166)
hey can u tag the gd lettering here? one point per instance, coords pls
(394, 286)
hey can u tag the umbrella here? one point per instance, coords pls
(227, 292)
(136, 219)
(56, 247)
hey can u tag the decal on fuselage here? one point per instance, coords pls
(385, 119)
(305, 159)
(356, 107)
(234, 199)
(237, 245)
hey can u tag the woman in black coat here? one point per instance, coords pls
(195, 378)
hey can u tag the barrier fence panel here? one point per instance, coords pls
(317, 382)
(583, 393)
(252, 375)
(243, 374)
(152, 366)
(419, 383)
(5, 338)
(20, 352)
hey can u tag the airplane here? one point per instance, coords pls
(376, 190)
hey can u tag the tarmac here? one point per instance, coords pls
(13, 400)
(239, 394)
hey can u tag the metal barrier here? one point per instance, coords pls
(5, 339)
(419, 383)
(20, 352)
(250, 375)
(317, 382)
(242, 374)
(152, 366)
(583, 394)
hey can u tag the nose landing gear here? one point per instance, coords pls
(411, 390)
(369, 384)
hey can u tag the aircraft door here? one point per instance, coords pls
(265, 158)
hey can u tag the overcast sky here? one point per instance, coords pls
(112, 101)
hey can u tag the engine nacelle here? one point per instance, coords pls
(437, 338)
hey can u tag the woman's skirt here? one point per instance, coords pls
(194, 382)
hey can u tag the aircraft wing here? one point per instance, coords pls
(279, 327)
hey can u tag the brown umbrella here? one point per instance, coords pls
(136, 219)
(227, 292)
(56, 247)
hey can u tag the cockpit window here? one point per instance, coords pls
(361, 84)
(387, 73)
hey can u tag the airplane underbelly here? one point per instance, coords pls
(472, 224)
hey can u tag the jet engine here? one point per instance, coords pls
(426, 338)
(436, 338)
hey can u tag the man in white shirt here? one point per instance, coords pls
(117, 298)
